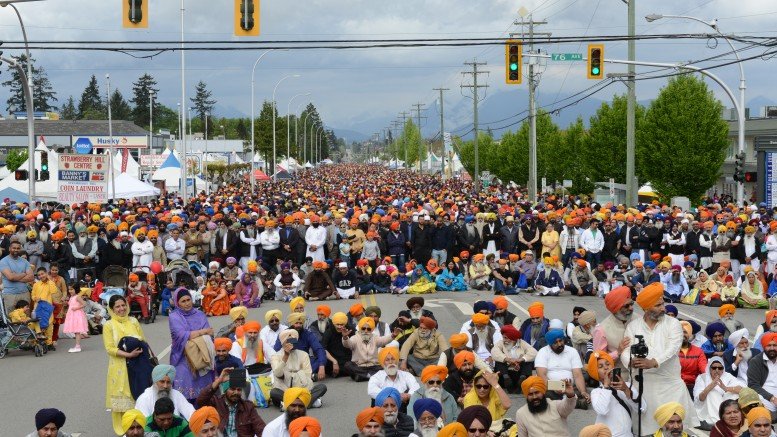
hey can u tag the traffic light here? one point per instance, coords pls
(44, 166)
(135, 14)
(595, 61)
(513, 55)
(751, 176)
(246, 17)
(21, 175)
(739, 167)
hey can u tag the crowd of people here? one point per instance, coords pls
(342, 231)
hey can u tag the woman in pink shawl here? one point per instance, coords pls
(186, 323)
(247, 292)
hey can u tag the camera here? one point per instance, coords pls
(639, 350)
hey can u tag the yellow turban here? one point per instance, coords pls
(666, 411)
(339, 318)
(295, 302)
(294, 393)
(758, 413)
(598, 430)
(296, 318)
(386, 351)
(272, 313)
(533, 382)
(458, 341)
(366, 321)
(131, 416)
(480, 319)
(650, 295)
(238, 312)
(202, 416)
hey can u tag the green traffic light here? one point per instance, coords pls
(595, 71)
(513, 66)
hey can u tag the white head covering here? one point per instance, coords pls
(556, 324)
(737, 336)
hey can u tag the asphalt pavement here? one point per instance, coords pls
(75, 383)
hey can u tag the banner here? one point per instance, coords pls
(119, 141)
(124, 159)
(152, 160)
(82, 178)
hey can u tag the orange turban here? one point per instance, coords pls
(432, 371)
(356, 309)
(593, 363)
(464, 356)
(458, 341)
(324, 309)
(367, 415)
(768, 338)
(480, 319)
(501, 302)
(615, 299)
(650, 295)
(222, 343)
(726, 308)
(479, 257)
(770, 315)
(366, 321)
(203, 415)
(597, 430)
(133, 277)
(581, 263)
(252, 326)
(533, 382)
(305, 423)
(386, 351)
(536, 309)
(758, 413)
(454, 429)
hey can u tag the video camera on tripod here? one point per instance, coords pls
(640, 350)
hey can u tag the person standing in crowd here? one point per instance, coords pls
(189, 324)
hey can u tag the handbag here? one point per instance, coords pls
(692, 298)
(261, 385)
(152, 356)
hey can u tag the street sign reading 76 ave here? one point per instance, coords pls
(566, 57)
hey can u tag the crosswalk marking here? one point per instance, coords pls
(513, 303)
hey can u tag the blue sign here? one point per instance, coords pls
(83, 146)
(72, 175)
(189, 182)
(770, 181)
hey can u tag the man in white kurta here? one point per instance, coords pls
(315, 238)
(142, 250)
(663, 336)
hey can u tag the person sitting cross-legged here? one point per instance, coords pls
(291, 369)
(162, 387)
(433, 378)
(396, 423)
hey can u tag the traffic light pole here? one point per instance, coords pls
(30, 126)
(110, 138)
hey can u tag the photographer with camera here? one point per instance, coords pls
(614, 400)
(655, 342)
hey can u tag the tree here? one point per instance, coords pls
(15, 159)
(44, 95)
(141, 98)
(568, 162)
(120, 109)
(203, 104)
(606, 142)
(242, 130)
(69, 111)
(410, 140)
(91, 101)
(683, 142)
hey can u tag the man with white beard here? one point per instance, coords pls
(270, 332)
(395, 423)
(45, 237)
(249, 349)
(726, 313)
(432, 378)
(736, 361)
(142, 250)
(162, 387)
(315, 238)
(84, 249)
(482, 337)
(391, 376)
(427, 412)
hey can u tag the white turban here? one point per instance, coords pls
(737, 336)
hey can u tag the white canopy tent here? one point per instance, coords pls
(170, 173)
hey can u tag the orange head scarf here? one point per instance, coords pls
(367, 415)
(593, 363)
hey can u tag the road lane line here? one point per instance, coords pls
(464, 308)
(432, 305)
(520, 308)
(164, 352)
(688, 316)
(373, 301)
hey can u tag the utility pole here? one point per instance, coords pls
(395, 125)
(533, 83)
(631, 102)
(442, 129)
(475, 87)
(418, 108)
(404, 115)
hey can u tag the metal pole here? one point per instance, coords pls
(296, 133)
(442, 129)
(205, 157)
(532, 119)
(475, 126)
(288, 128)
(253, 70)
(274, 116)
(150, 128)
(631, 103)
(110, 138)
(30, 127)
(305, 139)
(183, 102)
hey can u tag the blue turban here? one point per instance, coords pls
(469, 219)
(162, 370)
(480, 305)
(671, 309)
(491, 307)
(650, 264)
(49, 415)
(688, 264)
(388, 392)
(712, 328)
(695, 327)
(552, 335)
(426, 404)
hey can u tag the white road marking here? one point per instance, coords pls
(688, 316)
(520, 308)
(464, 308)
(164, 352)
(432, 305)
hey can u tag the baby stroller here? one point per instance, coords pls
(18, 336)
(114, 283)
(182, 276)
(153, 294)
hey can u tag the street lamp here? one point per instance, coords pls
(317, 144)
(273, 121)
(253, 70)
(288, 128)
(296, 131)
(742, 86)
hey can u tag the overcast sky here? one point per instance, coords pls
(352, 85)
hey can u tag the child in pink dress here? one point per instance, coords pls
(75, 319)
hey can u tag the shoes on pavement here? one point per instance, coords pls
(75, 349)
(51, 347)
(317, 403)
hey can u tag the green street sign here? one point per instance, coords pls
(566, 57)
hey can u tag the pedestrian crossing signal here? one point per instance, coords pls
(246, 17)
(513, 54)
(595, 61)
(21, 175)
(135, 14)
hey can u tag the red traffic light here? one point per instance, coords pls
(21, 175)
(751, 176)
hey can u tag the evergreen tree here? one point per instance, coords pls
(203, 104)
(44, 95)
(69, 111)
(91, 101)
(242, 130)
(141, 98)
(120, 109)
